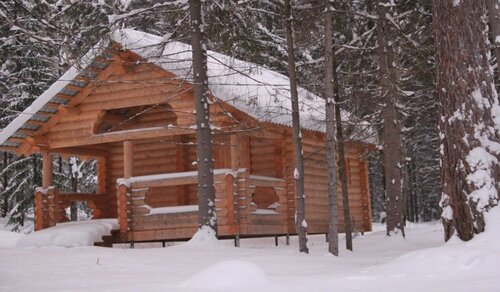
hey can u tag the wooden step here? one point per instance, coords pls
(109, 240)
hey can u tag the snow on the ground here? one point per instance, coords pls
(204, 237)
(79, 233)
(421, 262)
(9, 239)
(26, 228)
(230, 276)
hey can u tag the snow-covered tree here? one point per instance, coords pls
(470, 116)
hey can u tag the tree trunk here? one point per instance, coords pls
(392, 136)
(300, 220)
(333, 240)
(470, 116)
(206, 191)
(342, 165)
(340, 141)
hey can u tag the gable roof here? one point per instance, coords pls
(260, 92)
(253, 89)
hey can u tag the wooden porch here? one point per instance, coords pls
(246, 204)
(237, 213)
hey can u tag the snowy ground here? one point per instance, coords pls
(419, 263)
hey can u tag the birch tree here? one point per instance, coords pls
(300, 220)
(206, 191)
(470, 116)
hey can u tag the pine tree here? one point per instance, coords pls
(469, 123)
(393, 153)
(28, 62)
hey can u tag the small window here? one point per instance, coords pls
(136, 118)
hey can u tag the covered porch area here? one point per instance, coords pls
(150, 186)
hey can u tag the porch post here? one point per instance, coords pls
(128, 159)
(101, 175)
(235, 152)
(46, 170)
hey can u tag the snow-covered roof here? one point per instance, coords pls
(260, 92)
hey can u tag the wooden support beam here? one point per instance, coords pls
(23, 148)
(128, 159)
(235, 152)
(81, 152)
(37, 141)
(17, 140)
(8, 149)
(245, 152)
(47, 170)
(119, 136)
(101, 175)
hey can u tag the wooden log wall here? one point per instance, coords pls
(221, 157)
(316, 187)
(264, 155)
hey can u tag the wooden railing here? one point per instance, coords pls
(50, 204)
(141, 222)
(236, 214)
(270, 218)
(46, 207)
(277, 186)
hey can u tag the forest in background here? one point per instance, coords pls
(41, 39)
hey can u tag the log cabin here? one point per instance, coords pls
(129, 105)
